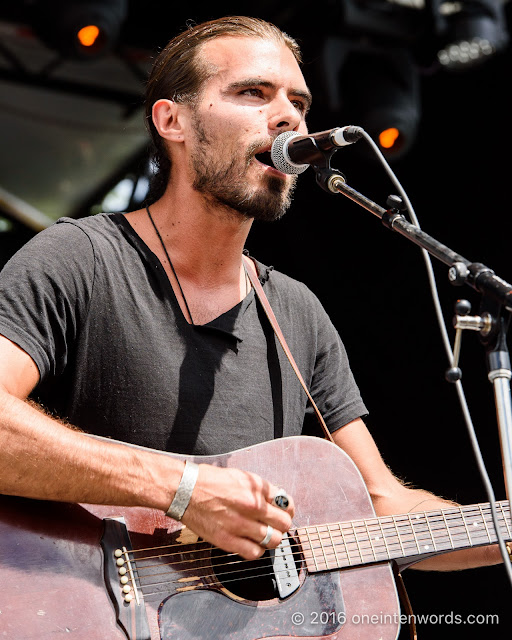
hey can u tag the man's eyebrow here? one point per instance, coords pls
(258, 82)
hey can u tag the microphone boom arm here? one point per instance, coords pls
(496, 292)
(477, 275)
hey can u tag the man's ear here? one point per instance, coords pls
(167, 120)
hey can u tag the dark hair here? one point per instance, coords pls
(179, 73)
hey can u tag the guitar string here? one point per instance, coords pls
(329, 558)
(217, 575)
(377, 523)
(144, 587)
(243, 570)
(477, 537)
(404, 528)
(354, 525)
(388, 551)
(217, 578)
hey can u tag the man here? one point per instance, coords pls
(144, 327)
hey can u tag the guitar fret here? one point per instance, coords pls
(384, 538)
(377, 542)
(414, 532)
(331, 556)
(427, 519)
(398, 536)
(458, 527)
(333, 547)
(489, 537)
(352, 550)
(421, 532)
(322, 548)
(439, 529)
(472, 524)
(370, 540)
(320, 552)
(447, 529)
(313, 557)
(367, 540)
(344, 543)
(317, 549)
(509, 534)
(394, 537)
(466, 527)
(357, 542)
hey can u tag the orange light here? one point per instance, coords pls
(88, 35)
(388, 137)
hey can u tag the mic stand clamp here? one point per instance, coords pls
(327, 177)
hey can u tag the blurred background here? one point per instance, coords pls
(430, 81)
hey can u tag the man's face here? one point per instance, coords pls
(256, 93)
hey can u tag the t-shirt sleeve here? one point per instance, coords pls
(333, 387)
(45, 288)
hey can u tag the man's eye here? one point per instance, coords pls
(252, 92)
(299, 105)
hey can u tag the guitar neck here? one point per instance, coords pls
(412, 535)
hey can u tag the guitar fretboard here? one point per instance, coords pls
(358, 542)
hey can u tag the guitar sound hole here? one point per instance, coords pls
(247, 579)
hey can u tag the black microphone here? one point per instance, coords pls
(293, 152)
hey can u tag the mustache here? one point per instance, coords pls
(257, 145)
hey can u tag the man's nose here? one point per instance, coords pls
(284, 116)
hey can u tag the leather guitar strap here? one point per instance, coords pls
(277, 330)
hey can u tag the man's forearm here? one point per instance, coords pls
(45, 459)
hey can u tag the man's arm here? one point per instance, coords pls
(43, 458)
(390, 496)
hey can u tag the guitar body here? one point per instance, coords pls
(52, 565)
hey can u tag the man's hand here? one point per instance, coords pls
(232, 509)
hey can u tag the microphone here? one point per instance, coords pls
(293, 152)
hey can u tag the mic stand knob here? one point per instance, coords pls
(462, 321)
(458, 274)
(395, 202)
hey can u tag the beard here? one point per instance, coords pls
(223, 182)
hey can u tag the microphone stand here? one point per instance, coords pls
(496, 304)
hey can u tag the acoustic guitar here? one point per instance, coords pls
(90, 572)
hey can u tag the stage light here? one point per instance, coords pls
(372, 57)
(389, 137)
(88, 35)
(380, 92)
(472, 32)
(81, 29)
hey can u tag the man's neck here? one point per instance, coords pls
(204, 242)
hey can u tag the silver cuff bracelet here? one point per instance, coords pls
(184, 492)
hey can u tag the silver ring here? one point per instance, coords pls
(281, 499)
(267, 537)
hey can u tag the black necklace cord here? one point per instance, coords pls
(170, 264)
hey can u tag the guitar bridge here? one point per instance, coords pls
(121, 580)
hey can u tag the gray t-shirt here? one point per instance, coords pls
(93, 307)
